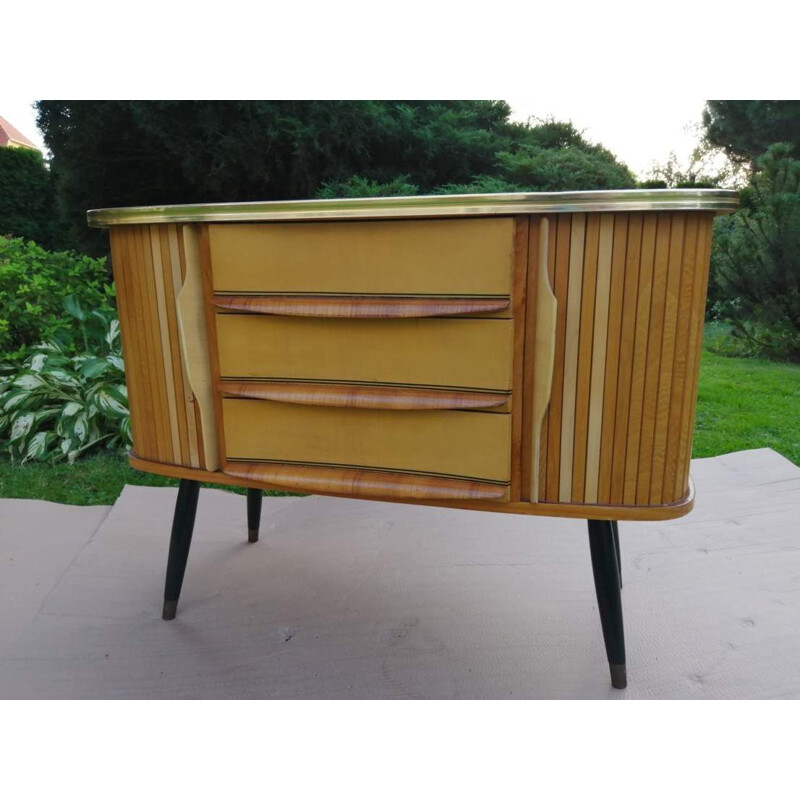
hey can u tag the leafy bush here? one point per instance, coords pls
(571, 168)
(719, 339)
(356, 186)
(58, 406)
(756, 259)
(33, 284)
(482, 184)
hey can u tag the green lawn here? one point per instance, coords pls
(743, 403)
(94, 480)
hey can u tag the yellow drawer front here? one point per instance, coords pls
(454, 443)
(466, 353)
(449, 257)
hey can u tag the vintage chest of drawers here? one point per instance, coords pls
(523, 353)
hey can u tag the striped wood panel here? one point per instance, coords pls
(149, 269)
(631, 298)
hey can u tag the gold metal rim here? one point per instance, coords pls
(717, 200)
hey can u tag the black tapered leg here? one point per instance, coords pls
(253, 514)
(609, 599)
(615, 526)
(179, 543)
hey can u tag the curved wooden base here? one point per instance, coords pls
(571, 510)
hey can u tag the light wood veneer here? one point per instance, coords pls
(463, 444)
(355, 307)
(418, 257)
(353, 396)
(463, 353)
(527, 364)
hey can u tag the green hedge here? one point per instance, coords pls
(27, 204)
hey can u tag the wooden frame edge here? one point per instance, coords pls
(519, 296)
(569, 510)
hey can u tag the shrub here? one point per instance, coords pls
(482, 184)
(56, 406)
(569, 169)
(356, 186)
(33, 284)
(756, 259)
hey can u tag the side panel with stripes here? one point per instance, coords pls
(631, 298)
(149, 264)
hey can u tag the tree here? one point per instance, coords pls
(707, 167)
(702, 170)
(744, 129)
(756, 257)
(150, 153)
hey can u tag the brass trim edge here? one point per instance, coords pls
(717, 200)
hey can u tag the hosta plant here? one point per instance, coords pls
(59, 406)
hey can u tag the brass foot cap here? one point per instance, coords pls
(619, 676)
(170, 609)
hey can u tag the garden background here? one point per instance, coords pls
(64, 427)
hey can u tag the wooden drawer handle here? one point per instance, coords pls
(351, 396)
(543, 351)
(351, 307)
(189, 313)
(364, 483)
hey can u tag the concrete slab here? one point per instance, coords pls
(354, 599)
(38, 542)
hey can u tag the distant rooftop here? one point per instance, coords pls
(11, 137)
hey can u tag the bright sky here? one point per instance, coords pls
(21, 115)
(637, 133)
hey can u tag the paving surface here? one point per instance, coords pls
(354, 599)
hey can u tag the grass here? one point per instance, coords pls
(743, 403)
(94, 480)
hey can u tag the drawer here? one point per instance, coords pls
(418, 257)
(467, 353)
(447, 443)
